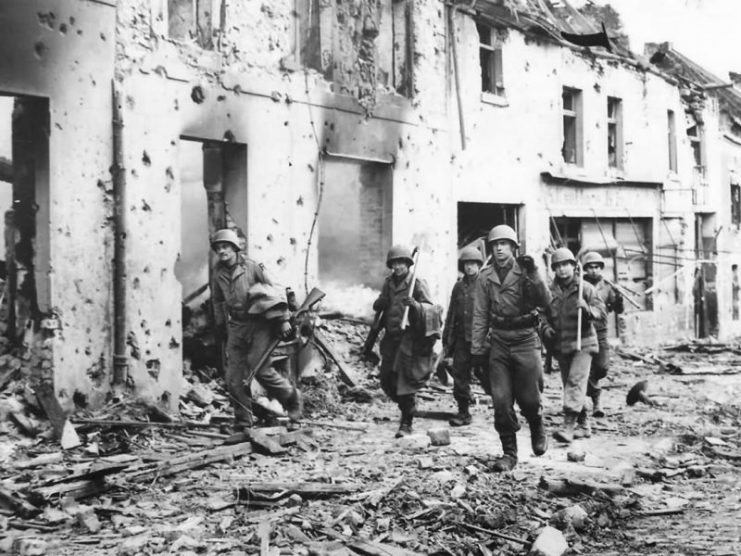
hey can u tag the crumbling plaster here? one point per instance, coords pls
(63, 50)
(511, 140)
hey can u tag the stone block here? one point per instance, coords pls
(439, 437)
(550, 542)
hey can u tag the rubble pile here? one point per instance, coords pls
(142, 481)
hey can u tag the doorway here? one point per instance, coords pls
(24, 203)
(213, 195)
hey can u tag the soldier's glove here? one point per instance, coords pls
(286, 330)
(583, 306)
(407, 301)
(549, 334)
(527, 263)
(479, 360)
(618, 306)
(379, 304)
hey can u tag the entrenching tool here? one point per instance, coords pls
(368, 354)
(410, 293)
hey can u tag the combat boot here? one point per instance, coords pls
(538, 438)
(597, 409)
(584, 428)
(463, 417)
(508, 459)
(408, 407)
(566, 433)
(294, 405)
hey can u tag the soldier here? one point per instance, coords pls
(248, 334)
(593, 264)
(406, 359)
(561, 331)
(507, 299)
(457, 332)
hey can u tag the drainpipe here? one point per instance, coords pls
(120, 361)
(452, 9)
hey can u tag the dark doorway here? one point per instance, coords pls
(704, 290)
(213, 194)
(24, 162)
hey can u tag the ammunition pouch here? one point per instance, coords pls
(518, 322)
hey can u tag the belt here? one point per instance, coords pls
(239, 315)
(514, 323)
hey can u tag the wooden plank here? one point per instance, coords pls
(94, 473)
(346, 374)
(114, 423)
(305, 489)
(75, 490)
(366, 546)
(264, 443)
(16, 504)
(45, 394)
(191, 461)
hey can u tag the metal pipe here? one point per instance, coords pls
(456, 74)
(118, 172)
(359, 158)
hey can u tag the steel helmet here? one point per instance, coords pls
(503, 232)
(593, 258)
(560, 255)
(470, 254)
(399, 252)
(225, 236)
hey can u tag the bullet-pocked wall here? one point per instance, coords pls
(250, 85)
(61, 52)
(514, 130)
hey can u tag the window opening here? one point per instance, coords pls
(571, 106)
(490, 58)
(614, 133)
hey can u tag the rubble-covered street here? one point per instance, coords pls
(653, 479)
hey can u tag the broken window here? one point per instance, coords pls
(735, 288)
(672, 140)
(571, 150)
(614, 132)
(490, 58)
(736, 205)
(694, 134)
(625, 244)
(475, 220)
(394, 54)
(193, 21)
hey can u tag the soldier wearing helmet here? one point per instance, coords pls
(248, 335)
(594, 264)
(508, 297)
(560, 330)
(395, 361)
(457, 332)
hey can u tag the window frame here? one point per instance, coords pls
(493, 50)
(575, 113)
(615, 120)
(671, 128)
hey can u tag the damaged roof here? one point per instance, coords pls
(543, 18)
(668, 60)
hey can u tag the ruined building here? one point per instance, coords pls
(323, 131)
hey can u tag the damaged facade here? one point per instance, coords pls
(323, 132)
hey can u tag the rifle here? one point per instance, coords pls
(405, 318)
(370, 341)
(578, 309)
(314, 297)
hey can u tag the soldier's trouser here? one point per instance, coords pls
(462, 372)
(515, 371)
(574, 376)
(388, 377)
(246, 343)
(599, 367)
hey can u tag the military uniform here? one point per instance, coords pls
(395, 384)
(457, 338)
(613, 301)
(505, 308)
(248, 335)
(562, 319)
